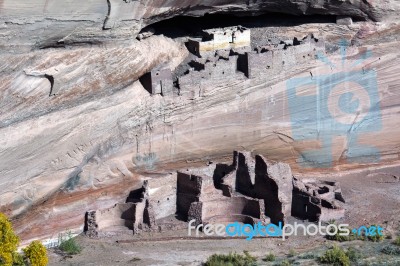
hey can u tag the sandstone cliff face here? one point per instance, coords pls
(44, 23)
(78, 131)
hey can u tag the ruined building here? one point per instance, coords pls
(272, 59)
(136, 214)
(158, 81)
(317, 200)
(225, 54)
(250, 190)
(207, 71)
(219, 39)
(264, 61)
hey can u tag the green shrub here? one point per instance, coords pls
(36, 254)
(232, 259)
(340, 238)
(391, 250)
(336, 256)
(69, 245)
(353, 254)
(285, 263)
(397, 241)
(292, 253)
(307, 256)
(18, 259)
(248, 255)
(352, 236)
(376, 237)
(269, 257)
(8, 241)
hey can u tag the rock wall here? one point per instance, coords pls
(77, 130)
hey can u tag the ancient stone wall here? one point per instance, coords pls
(194, 81)
(316, 200)
(136, 214)
(188, 191)
(162, 195)
(158, 81)
(220, 39)
(271, 60)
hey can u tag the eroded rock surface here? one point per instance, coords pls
(78, 131)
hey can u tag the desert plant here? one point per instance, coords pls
(336, 256)
(8, 241)
(248, 255)
(285, 263)
(18, 259)
(292, 253)
(375, 238)
(36, 253)
(307, 256)
(232, 259)
(353, 254)
(269, 257)
(69, 245)
(338, 237)
(391, 250)
(397, 241)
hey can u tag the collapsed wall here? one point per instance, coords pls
(199, 199)
(317, 200)
(257, 189)
(137, 214)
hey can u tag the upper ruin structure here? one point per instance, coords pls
(219, 39)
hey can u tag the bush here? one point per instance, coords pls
(285, 263)
(397, 241)
(8, 241)
(376, 237)
(307, 256)
(336, 256)
(391, 250)
(269, 257)
(69, 245)
(18, 259)
(352, 236)
(340, 238)
(36, 254)
(232, 259)
(292, 253)
(353, 254)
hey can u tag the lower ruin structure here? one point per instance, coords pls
(136, 214)
(250, 190)
(317, 200)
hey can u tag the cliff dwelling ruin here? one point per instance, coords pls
(225, 53)
(219, 39)
(158, 81)
(250, 190)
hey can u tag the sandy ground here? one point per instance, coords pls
(372, 197)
